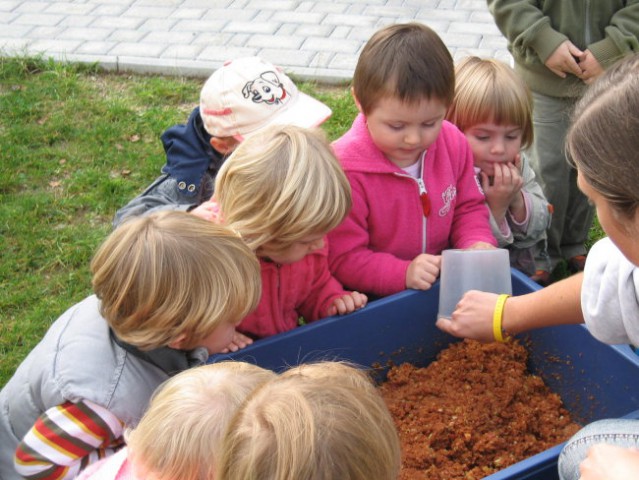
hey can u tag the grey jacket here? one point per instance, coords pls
(79, 359)
(522, 244)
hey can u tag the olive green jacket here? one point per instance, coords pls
(535, 28)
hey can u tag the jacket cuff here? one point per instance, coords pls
(605, 51)
(546, 42)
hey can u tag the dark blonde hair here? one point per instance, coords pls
(173, 275)
(281, 185)
(489, 91)
(180, 434)
(407, 61)
(603, 142)
(321, 422)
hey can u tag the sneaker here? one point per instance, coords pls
(576, 263)
(542, 277)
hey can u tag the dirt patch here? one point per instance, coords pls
(474, 411)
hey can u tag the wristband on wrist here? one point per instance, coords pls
(498, 315)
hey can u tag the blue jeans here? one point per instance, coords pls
(620, 432)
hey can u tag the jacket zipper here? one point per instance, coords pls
(587, 29)
(423, 198)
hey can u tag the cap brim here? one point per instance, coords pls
(305, 112)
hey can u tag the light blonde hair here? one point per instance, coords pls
(180, 435)
(407, 61)
(281, 185)
(489, 91)
(602, 141)
(172, 275)
(322, 422)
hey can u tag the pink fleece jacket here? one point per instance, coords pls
(301, 289)
(386, 228)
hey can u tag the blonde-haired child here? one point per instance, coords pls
(411, 172)
(169, 290)
(316, 422)
(283, 190)
(180, 434)
(493, 107)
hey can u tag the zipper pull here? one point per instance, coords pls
(423, 196)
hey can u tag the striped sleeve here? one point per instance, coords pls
(67, 438)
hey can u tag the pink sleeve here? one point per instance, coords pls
(357, 266)
(325, 288)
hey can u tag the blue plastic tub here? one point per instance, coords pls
(594, 380)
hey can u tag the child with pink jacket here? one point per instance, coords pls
(411, 172)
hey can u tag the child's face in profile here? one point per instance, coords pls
(492, 143)
(402, 131)
(294, 252)
(219, 339)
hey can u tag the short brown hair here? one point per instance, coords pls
(489, 91)
(172, 275)
(406, 61)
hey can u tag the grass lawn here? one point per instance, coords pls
(76, 144)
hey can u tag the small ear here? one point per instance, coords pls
(359, 105)
(224, 145)
(178, 343)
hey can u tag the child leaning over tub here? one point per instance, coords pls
(169, 290)
(180, 435)
(411, 172)
(319, 421)
(283, 190)
(493, 107)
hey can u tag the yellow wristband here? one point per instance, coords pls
(498, 317)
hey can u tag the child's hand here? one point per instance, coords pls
(239, 341)
(208, 210)
(481, 246)
(423, 271)
(347, 303)
(610, 462)
(504, 192)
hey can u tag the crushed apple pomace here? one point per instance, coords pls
(474, 411)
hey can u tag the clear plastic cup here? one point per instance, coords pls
(463, 270)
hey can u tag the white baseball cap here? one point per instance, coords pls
(248, 94)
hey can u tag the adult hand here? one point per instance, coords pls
(423, 271)
(348, 303)
(610, 462)
(562, 60)
(590, 67)
(472, 318)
